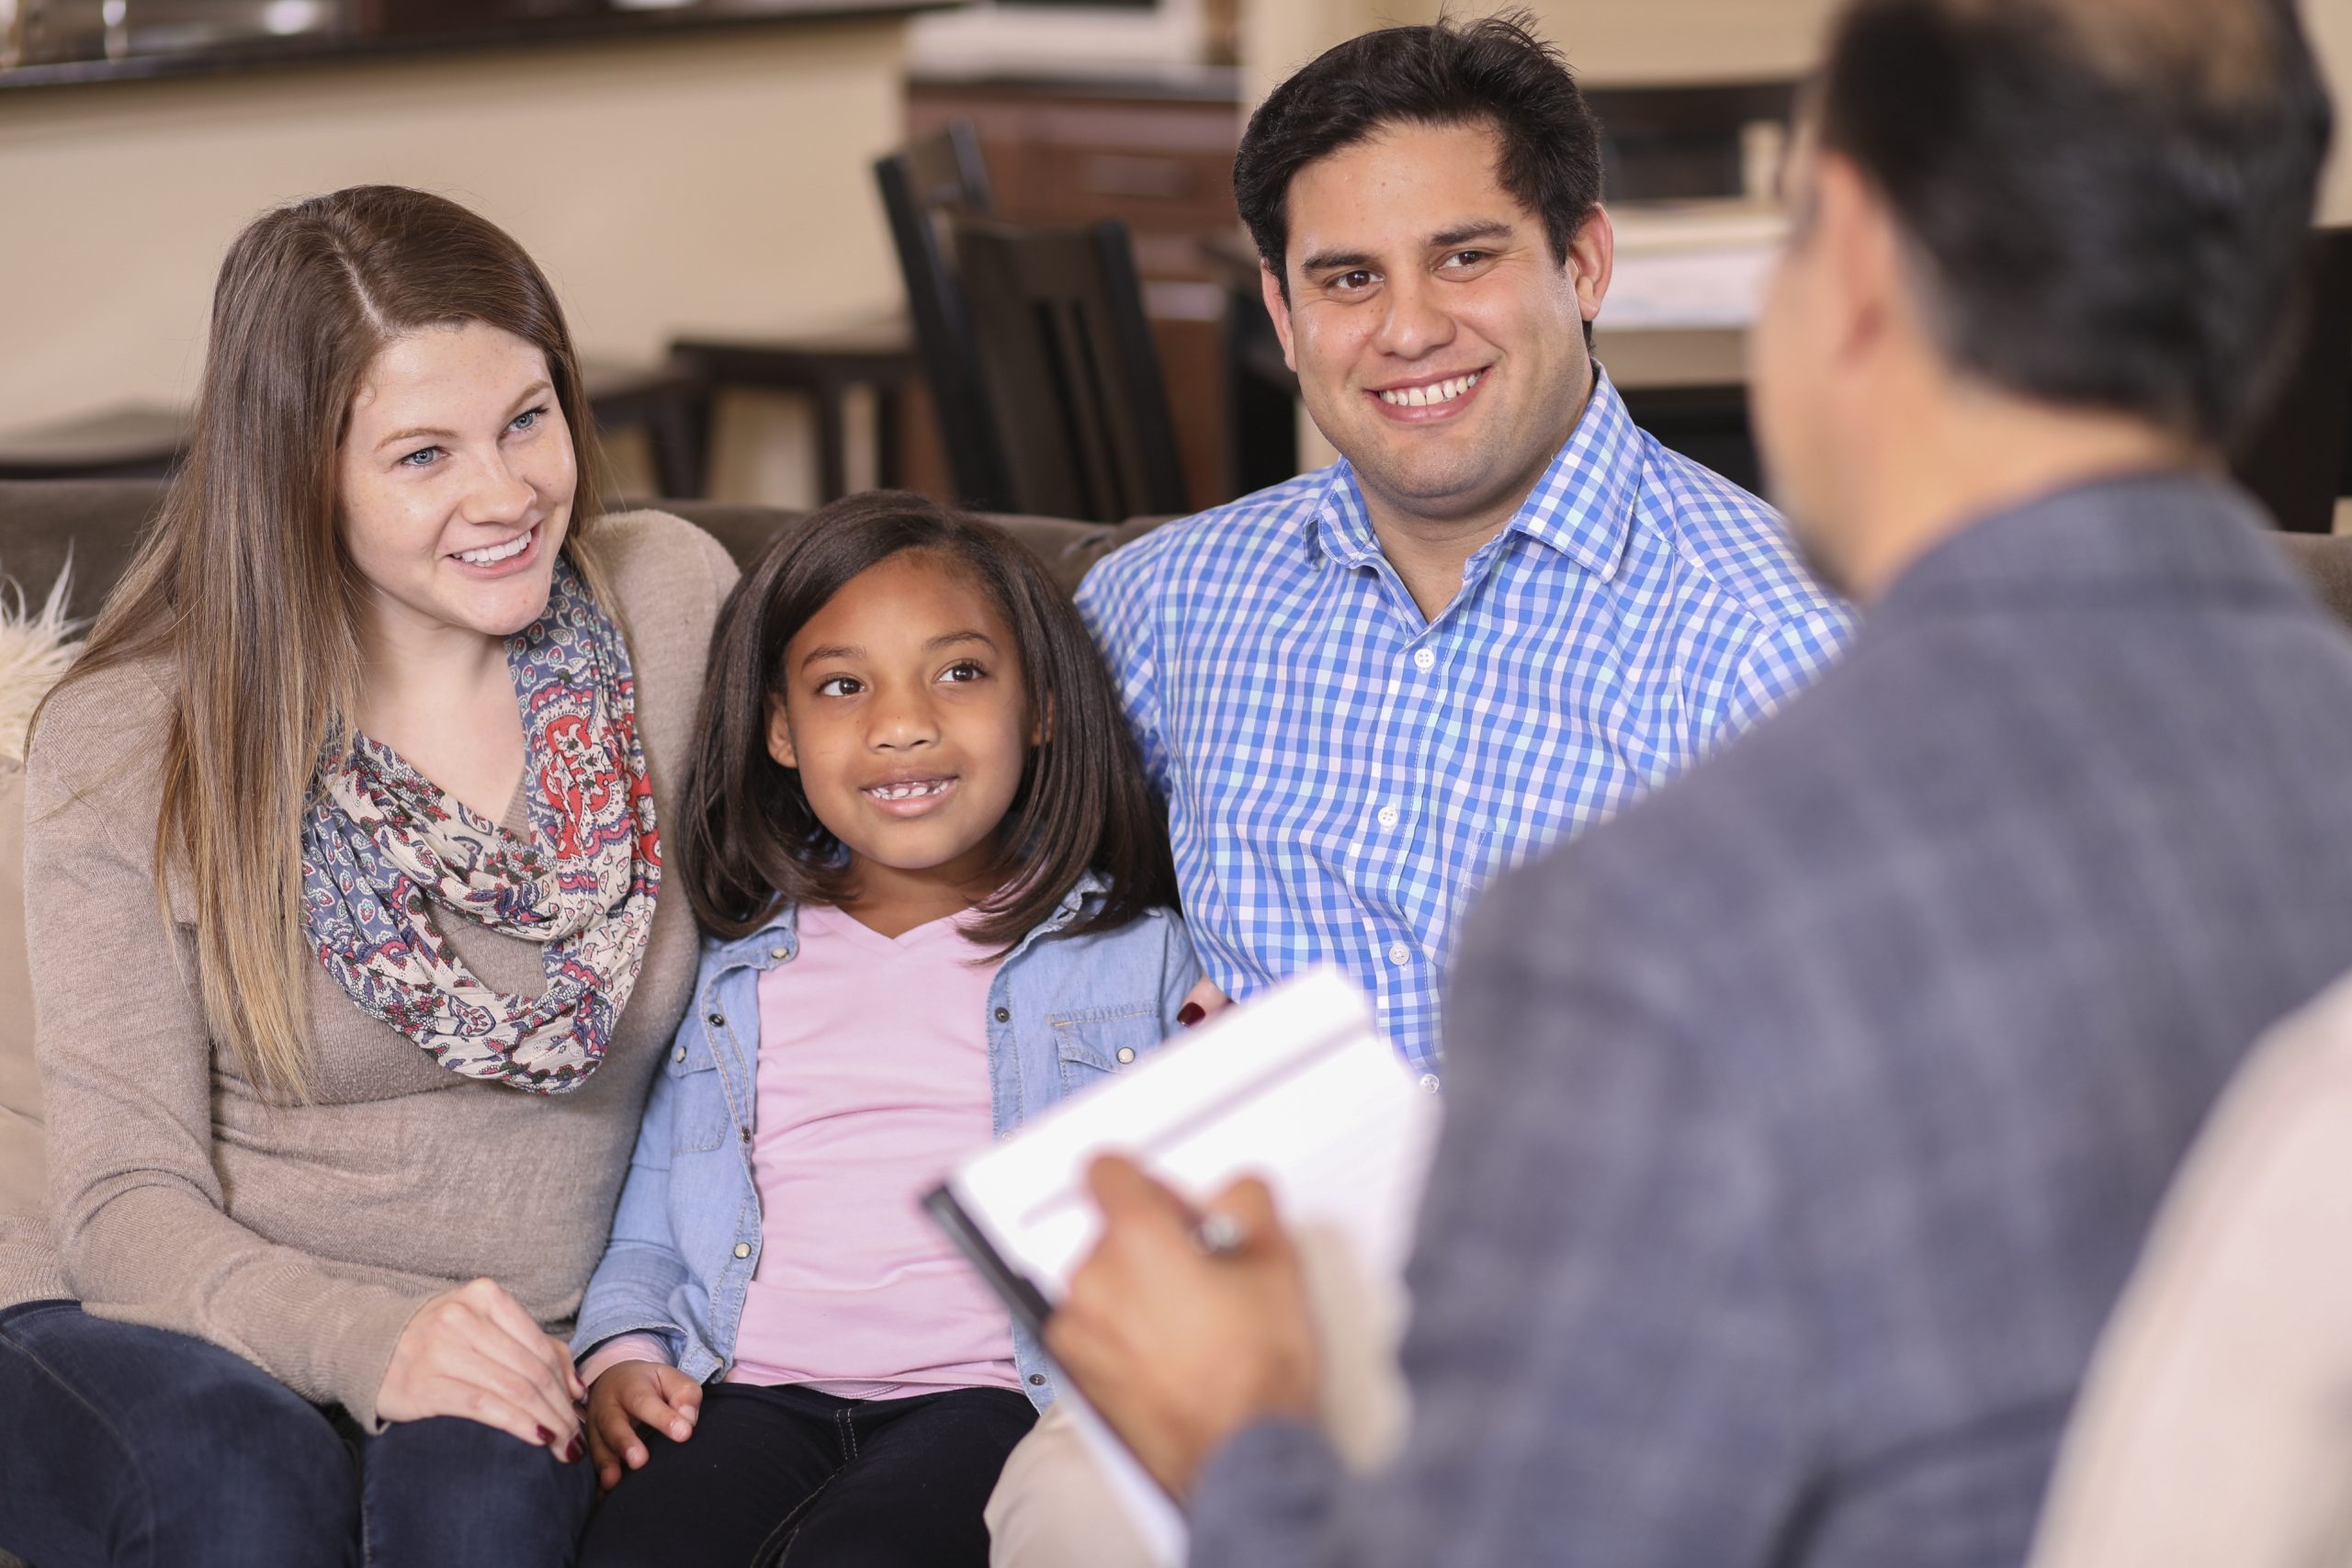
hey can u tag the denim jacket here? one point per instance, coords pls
(1062, 1014)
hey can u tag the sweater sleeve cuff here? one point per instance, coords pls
(1264, 1497)
(365, 1356)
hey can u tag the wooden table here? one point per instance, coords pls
(139, 440)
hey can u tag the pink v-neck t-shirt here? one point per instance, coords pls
(873, 1081)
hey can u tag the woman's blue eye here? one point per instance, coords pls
(527, 418)
(422, 457)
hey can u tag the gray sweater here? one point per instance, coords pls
(1803, 1122)
(304, 1237)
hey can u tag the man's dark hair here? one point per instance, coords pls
(750, 842)
(1494, 72)
(2107, 201)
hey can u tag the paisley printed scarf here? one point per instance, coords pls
(382, 844)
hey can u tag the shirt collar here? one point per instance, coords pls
(780, 938)
(1582, 506)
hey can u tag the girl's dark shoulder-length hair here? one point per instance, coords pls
(748, 843)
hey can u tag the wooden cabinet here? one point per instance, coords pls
(1156, 154)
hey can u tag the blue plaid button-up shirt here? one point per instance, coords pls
(1343, 775)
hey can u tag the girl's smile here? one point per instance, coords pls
(902, 709)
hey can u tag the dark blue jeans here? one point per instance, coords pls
(787, 1475)
(122, 1445)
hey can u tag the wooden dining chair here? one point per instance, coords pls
(2296, 454)
(941, 171)
(925, 187)
(1070, 375)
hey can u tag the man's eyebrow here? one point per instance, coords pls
(1462, 234)
(1326, 261)
(538, 390)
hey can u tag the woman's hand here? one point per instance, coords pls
(655, 1393)
(473, 1352)
(1202, 999)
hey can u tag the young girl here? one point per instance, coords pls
(937, 886)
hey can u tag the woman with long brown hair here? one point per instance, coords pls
(349, 945)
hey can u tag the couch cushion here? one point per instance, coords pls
(20, 1139)
(96, 521)
(1067, 549)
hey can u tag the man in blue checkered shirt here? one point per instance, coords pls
(1504, 612)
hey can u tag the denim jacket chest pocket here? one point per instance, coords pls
(699, 1120)
(1094, 1042)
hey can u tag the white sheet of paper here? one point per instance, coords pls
(1295, 1086)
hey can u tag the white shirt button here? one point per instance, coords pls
(1424, 660)
(679, 1055)
(1127, 1052)
(1388, 817)
(1399, 955)
(743, 1250)
(779, 953)
(1428, 1082)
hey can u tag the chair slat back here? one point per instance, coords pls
(924, 185)
(1069, 370)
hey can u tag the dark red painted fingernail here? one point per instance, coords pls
(571, 1454)
(1190, 1013)
(546, 1438)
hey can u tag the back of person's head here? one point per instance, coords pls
(244, 583)
(748, 837)
(1492, 72)
(2105, 201)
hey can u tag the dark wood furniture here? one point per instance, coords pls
(2296, 455)
(935, 173)
(45, 47)
(1067, 371)
(937, 178)
(144, 440)
(1154, 151)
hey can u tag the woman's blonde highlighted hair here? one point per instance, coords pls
(244, 587)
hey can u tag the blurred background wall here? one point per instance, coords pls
(667, 185)
(707, 185)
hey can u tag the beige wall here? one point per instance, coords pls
(1610, 42)
(714, 184)
(1629, 42)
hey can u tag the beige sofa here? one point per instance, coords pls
(94, 523)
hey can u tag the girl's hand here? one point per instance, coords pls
(655, 1393)
(474, 1352)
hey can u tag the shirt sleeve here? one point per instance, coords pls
(1602, 1358)
(621, 1348)
(1116, 600)
(1777, 665)
(642, 1271)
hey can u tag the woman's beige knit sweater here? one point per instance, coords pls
(304, 1237)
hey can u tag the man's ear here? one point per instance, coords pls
(1592, 260)
(780, 733)
(1278, 307)
(1861, 250)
